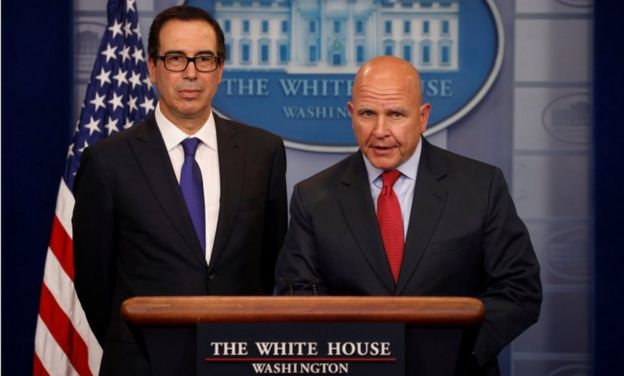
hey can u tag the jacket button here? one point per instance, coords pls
(211, 276)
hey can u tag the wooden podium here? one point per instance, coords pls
(438, 329)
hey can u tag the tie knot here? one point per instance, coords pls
(390, 177)
(190, 146)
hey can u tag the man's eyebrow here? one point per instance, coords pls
(364, 108)
(180, 52)
(397, 109)
(206, 52)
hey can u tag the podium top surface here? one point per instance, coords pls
(184, 311)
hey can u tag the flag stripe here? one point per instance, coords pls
(38, 369)
(62, 247)
(63, 332)
(62, 289)
(49, 354)
(47, 349)
(65, 207)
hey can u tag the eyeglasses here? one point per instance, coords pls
(203, 63)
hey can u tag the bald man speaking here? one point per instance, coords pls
(403, 217)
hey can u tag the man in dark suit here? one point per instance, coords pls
(135, 230)
(403, 217)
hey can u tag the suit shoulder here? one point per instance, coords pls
(328, 178)
(460, 163)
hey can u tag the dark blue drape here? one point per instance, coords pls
(36, 126)
(608, 185)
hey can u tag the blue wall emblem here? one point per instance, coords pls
(569, 118)
(291, 64)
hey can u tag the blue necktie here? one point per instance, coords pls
(192, 188)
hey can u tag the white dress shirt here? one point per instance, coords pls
(404, 186)
(207, 158)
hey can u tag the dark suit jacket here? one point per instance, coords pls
(464, 239)
(133, 236)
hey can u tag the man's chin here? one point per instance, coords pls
(383, 163)
(191, 111)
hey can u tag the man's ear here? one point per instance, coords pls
(425, 109)
(151, 69)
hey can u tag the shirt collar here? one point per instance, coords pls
(409, 168)
(173, 135)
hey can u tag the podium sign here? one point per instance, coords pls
(243, 335)
(357, 349)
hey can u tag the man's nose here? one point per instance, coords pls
(381, 126)
(191, 70)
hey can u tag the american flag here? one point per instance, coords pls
(119, 95)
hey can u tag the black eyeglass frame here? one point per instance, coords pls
(190, 59)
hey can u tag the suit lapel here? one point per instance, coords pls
(150, 151)
(427, 207)
(354, 196)
(231, 173)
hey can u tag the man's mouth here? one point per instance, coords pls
(189, 93)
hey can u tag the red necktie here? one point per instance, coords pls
(391, 222)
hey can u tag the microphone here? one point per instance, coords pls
(314, 288)
(290, 286)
